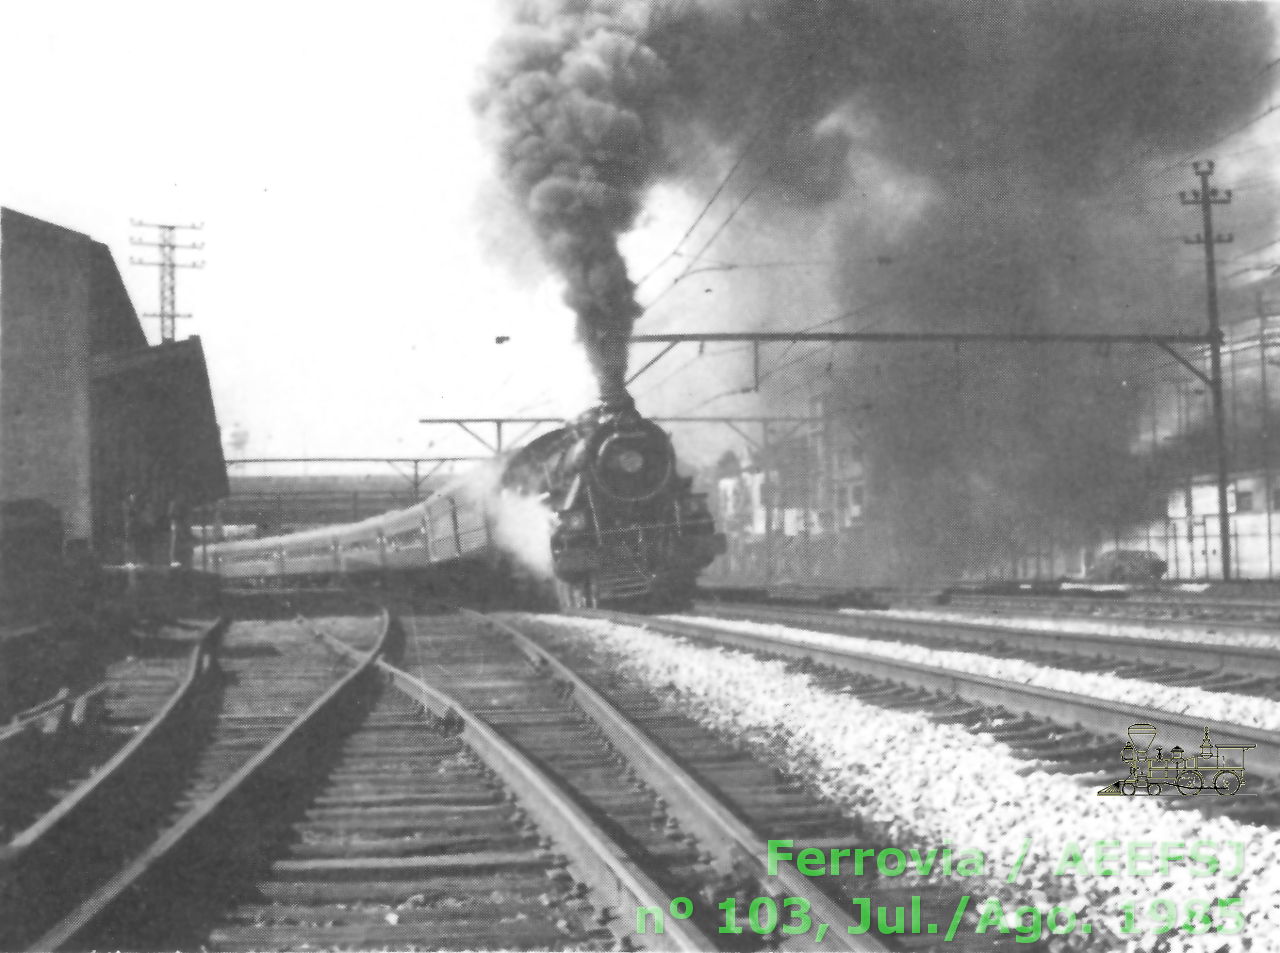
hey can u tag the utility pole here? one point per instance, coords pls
(1206, 198)
(168, 265)
(1266, 429)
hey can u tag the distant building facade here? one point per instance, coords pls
(797, 510)
(1188, 534)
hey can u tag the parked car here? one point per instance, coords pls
(1127, 565)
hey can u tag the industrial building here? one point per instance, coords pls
(116, 437)
(1186, 532)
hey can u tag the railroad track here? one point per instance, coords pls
(89, 779)
(534, 816)
(54, 747)
(243, 683)
(1160, 608)
(1055, 730)
(1134, 607)
(1203, 664)
(409, 843)
(416, 840)
(675, 830)
(921, 768)
(479, 793)
(770, 805)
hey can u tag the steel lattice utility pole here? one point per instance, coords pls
(168, 265)
(1206, 198)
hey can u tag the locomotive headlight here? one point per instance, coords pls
(629, 461)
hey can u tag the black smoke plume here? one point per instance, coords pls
(987, 167)
(998, 155)
(570, 94)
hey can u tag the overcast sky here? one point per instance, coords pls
(332, 154)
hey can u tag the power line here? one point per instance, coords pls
(801, 358)
(1256, 249)
(1183, 160)
(722, 353)
(1257, 186)
(724, 181)
(1223, 138)
(694, 260)
(675, 251)
(1270, 266)
(679, 369)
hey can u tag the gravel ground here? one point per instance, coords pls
(1248, 710)
(932, 785)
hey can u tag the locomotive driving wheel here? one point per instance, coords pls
(1226, 782)
(1190, 783)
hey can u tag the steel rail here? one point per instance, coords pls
(1142, 605)
(1137, 611)
(32, 865)
(165, 855)
(601, 861)
(1106, 718)
(949, 337)
(1216, 658)
(697, 808)
(1099, 595)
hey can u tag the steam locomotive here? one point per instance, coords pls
(624, 527)
(627, 526)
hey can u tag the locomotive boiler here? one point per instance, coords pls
(627, 528)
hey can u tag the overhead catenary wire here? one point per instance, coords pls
(698, 257)
(843, 316)
(653, 386)
(746, 197)
(742, 157)
(702, 213)
(1148, 153)
(1235, 132)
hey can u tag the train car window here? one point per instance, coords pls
(408, 537)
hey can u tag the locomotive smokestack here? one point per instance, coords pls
(612, 372)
